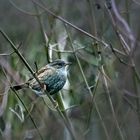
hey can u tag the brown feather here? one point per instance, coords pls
(45, 71)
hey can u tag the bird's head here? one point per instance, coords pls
(58, 64)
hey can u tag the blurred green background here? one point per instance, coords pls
(101, 97)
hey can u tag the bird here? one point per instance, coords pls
(52, 78)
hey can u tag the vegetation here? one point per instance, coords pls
(101, 99)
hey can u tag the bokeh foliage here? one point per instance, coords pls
(101, 97)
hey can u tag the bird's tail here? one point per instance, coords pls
(21, 86)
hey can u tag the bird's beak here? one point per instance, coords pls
(67, 63)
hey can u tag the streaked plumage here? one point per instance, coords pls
(53, 76)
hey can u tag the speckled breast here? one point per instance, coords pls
(54, 83)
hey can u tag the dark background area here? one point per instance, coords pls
(101, 97)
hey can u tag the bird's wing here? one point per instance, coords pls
(45, 72)
(38, 73)
(41, 74)
(42, 69)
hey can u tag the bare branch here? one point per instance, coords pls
(25, 12)
(70, 24)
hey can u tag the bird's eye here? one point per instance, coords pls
(60, 64)
(57, 64)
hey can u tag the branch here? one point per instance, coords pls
(70, 24)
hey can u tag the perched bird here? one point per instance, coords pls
(52, 77)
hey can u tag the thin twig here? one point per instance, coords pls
(93, 18)
(91, 109)
(70, 24)
(120, 60)
(78, 61)
(25, 12)
(111, 104)
(86, 83)
(45, 39)
(35, 125)
(43, 91)
(6, 54)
